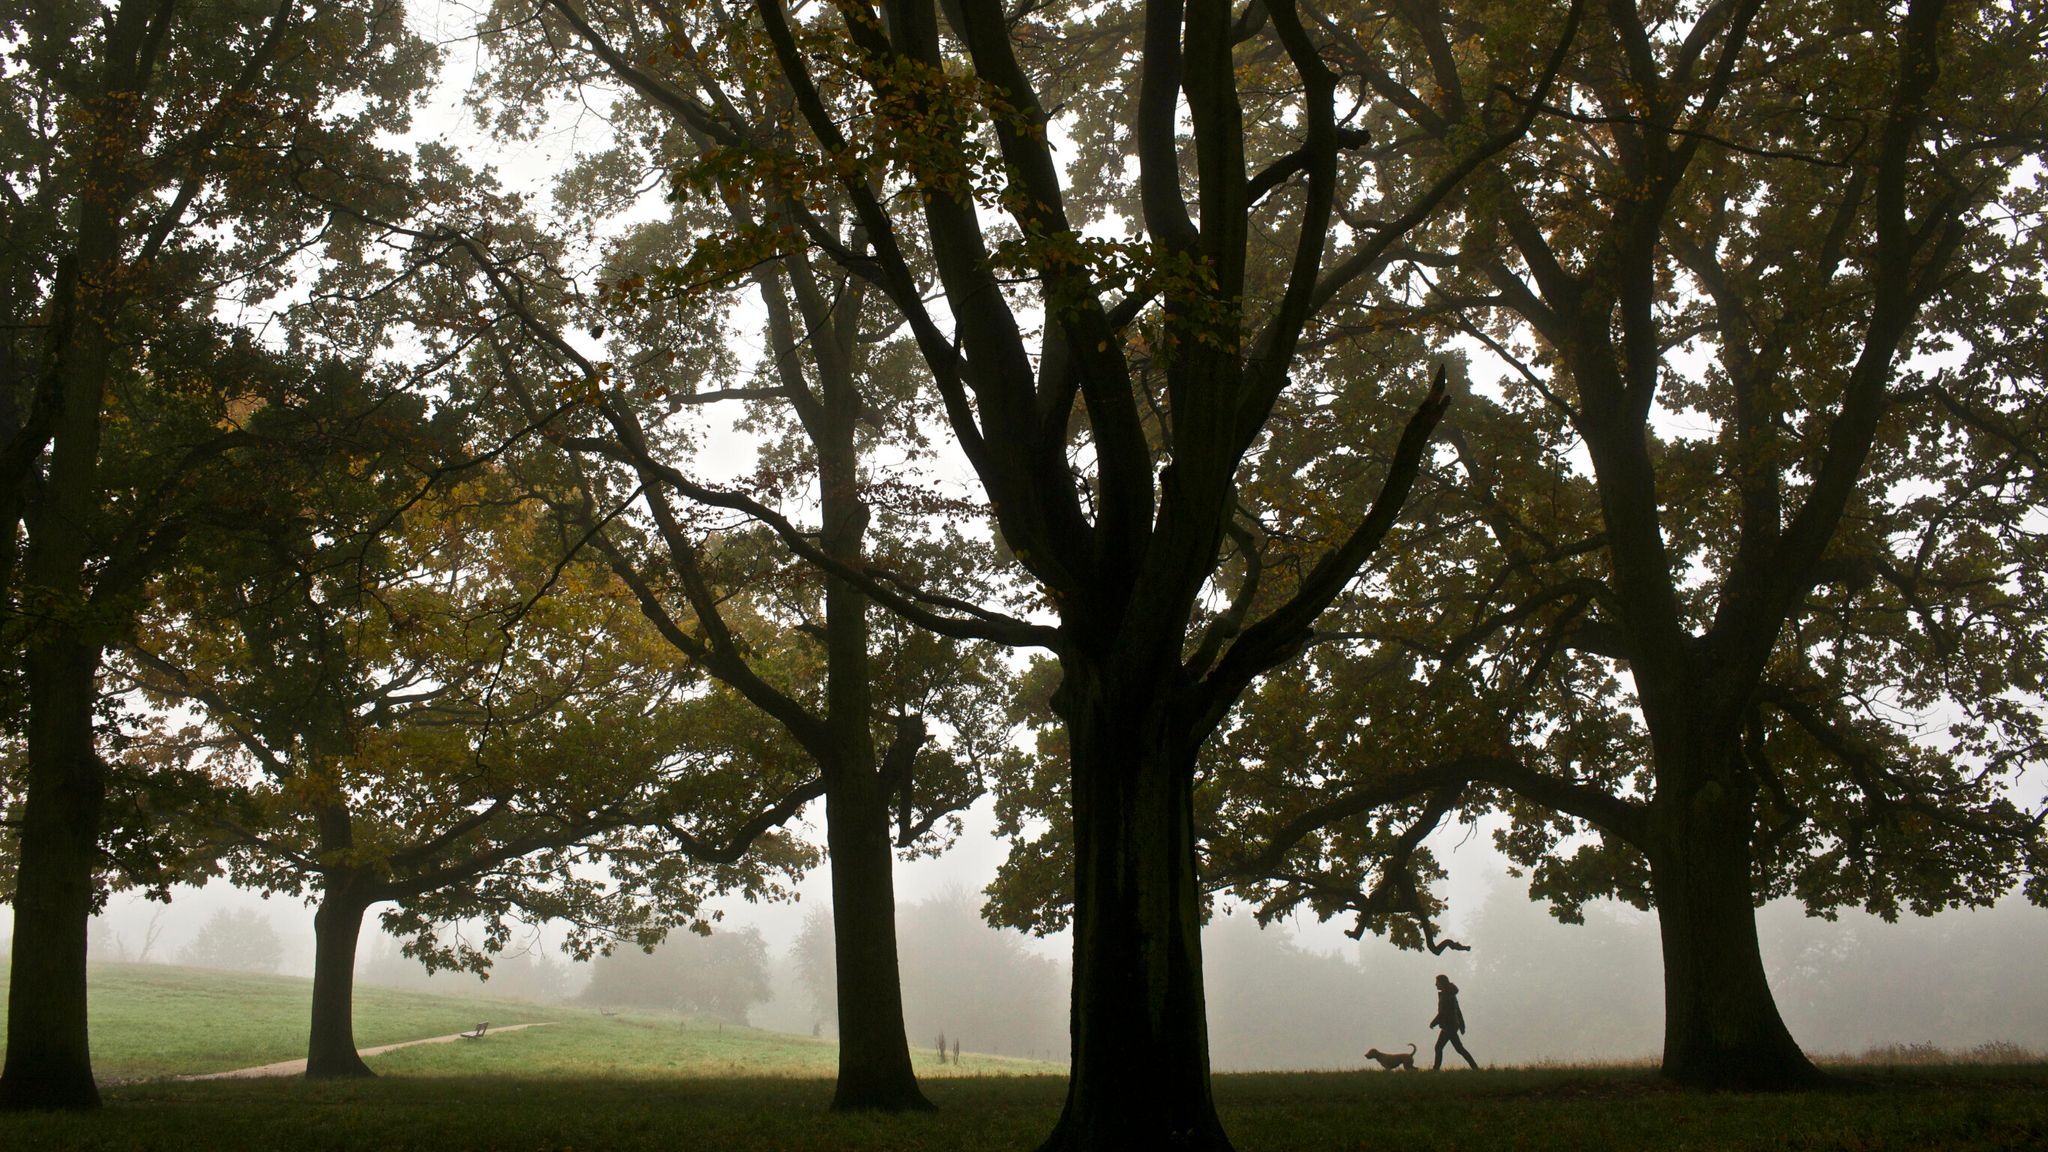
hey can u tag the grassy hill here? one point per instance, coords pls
(160, 1020)
(637, 1082)
(156, 1020)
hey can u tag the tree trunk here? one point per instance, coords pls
(1140, 1075)
(331, 1045)
(874, 1052)
(1721, 1024)
(49, 1061)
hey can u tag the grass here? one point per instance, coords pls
(582, 1044)
(1962, 1109)
(152, 1020)
(633, 1082)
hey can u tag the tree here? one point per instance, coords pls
(430, 708)
(718, 976)
(525, 972)
(1105, 389)
(238, 940)
(960, 976)
(1776, 630)
(151, 151)
(898, 722)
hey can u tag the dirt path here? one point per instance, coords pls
(298, 1067)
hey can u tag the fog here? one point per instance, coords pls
(1533, 990)
(1294, 995)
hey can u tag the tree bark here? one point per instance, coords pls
(331, 1043)
(874, 1049)
(1721, 1024)
(49, 1061)
(874, 1052)
(1140, 1074)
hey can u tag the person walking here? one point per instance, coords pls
(1448, 1023)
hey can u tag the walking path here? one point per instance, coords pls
(298, 1067)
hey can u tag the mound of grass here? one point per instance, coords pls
(1925, 1053)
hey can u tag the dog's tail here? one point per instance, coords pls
(1411, 1049)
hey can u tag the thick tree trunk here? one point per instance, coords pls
(1140, 1076)
(1721, 1024)
(874, 1051)
(49, 1062)
(331, 1044)
(875, 1073)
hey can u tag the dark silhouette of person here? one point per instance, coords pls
(1449, 1022)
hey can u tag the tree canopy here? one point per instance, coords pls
(1733, 567)
(1105, 378)
(1621, 422)
(155, 155)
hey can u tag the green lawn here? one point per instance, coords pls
(155, 1020)
(583, 1044)
(634, 1082)
(159, 1020)
(1974, 1109)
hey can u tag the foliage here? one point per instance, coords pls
(146, 196)
(1780, 509)
(422, 703)
(166, 167)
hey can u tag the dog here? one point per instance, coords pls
(1393, 1061)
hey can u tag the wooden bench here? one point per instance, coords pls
(476, 1034)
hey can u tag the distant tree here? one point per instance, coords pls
(521, 973)
(718, 975)
(1958, 979)
(237, 940)
(103, 943)
(530, 973)
(816, 966)
(961, 977)
(1550, 991)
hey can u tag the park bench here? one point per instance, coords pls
(479, 1031)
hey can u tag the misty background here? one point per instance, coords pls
(1294, 995)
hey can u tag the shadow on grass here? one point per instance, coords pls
(1581, 1110)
